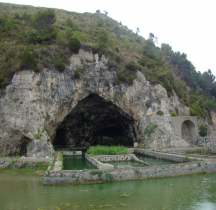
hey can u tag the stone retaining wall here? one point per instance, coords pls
(97, 164)
(25, 159)
(115, 158)
(91, 176)
(181, 150)
(166, 156)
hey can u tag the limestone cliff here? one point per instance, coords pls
(42, 109)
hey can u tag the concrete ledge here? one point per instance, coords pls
(166, 156)
(25, 159)
(181, 150)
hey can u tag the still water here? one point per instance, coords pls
(187, 192)
(76, 163)
(80, 163)
(154, 161)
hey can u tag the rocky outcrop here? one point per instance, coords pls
(82, 106)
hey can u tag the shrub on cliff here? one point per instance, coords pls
(203, 130)
(173, 114)
(74, 45)
(28, 60)
(60, 65)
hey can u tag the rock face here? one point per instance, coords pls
(80, 107)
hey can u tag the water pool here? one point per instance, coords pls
(154, 161)
(196, 192)
(76, 163)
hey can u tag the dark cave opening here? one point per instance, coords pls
(95, 121)
(20, 148)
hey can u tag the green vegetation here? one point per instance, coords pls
(173, 114)
(203, 128)
(61, 158)
(18, 156)
(38, 82)
(150, 128)
(60, 65)
(187, 158)
(37, 136)
(159, 112)
(126, 195)
(77, 73)
(74, 45)
(109, 177)
(106, 150)
(39, 169)
(99, 173)
(35, 38)
(148, 103)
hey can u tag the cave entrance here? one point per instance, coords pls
(188, 131)
(20, 147)
(95, 121)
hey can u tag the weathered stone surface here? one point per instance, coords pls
(5, 165)
(37, 107)
(18, 165)
(31, 165)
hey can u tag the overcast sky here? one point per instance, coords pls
(189, 26)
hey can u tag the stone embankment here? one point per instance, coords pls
(91, 176)
(128, 173)
(98, 161)
(20, 162)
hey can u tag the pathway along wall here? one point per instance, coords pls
(40, 107)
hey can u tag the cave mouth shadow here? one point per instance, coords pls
(20, 147)
(95, 121)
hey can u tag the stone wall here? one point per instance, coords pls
(115, 158)
(97, 164)
(167, 156)
(91, 176)
(181, 150)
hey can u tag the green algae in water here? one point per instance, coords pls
(186, 192)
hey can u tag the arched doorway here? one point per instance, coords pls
(188, 131)
(95, 121)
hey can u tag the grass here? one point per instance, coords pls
(187, 158)
(106, 150)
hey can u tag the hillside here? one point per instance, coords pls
(40, 39)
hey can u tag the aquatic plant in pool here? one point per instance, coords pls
(106, 150)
